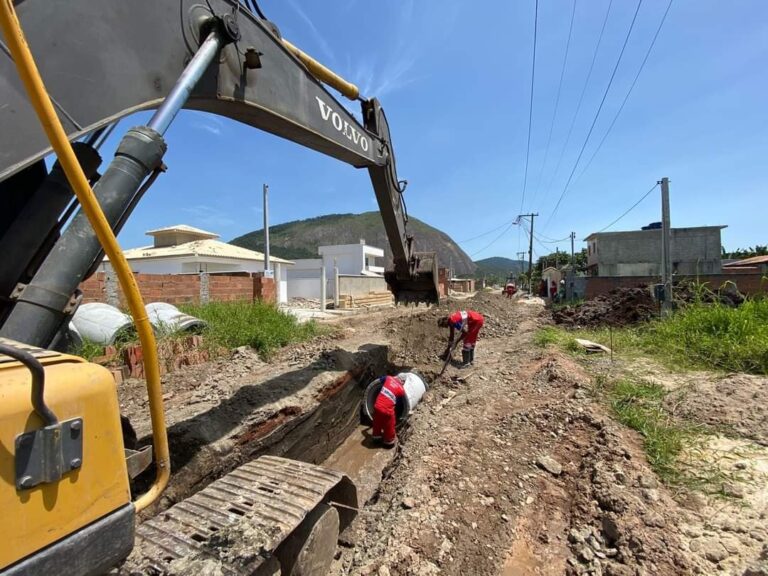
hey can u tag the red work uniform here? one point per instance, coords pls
(384, 410)
(470, 322)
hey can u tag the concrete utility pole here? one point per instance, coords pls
(573, 255)
(267, 267)
(666, 254)
(530, 251)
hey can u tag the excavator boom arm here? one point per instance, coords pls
(102, 61)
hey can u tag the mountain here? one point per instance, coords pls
(300, 238)
(499, 267)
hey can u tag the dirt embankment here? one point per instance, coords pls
(620, 307)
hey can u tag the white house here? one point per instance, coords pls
(183, 249)
(350, 260)
(353, 259)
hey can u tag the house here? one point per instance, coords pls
(353, 259)
(355, 265)
(753, 264)
(695, 250)
(182, 249)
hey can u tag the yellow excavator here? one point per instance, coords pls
(69, 71)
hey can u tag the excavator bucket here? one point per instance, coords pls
(421, 287)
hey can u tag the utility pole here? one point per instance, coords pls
(530, 251)
(573, 256)
(267, 267)
(666, 254)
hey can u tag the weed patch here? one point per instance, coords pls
(258, 325)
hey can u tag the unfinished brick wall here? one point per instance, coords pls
(230, 288)
(748, 284)
(264, 289)
(177, 288)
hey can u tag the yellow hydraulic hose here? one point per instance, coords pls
(323, 73)
(41, 102)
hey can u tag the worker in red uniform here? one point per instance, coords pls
(384, 410)
(469, 323)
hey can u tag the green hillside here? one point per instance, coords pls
(301, 238)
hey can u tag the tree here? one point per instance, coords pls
(740, 253)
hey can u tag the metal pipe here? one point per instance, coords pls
(38, 382)
(105, 134)
(180, 92)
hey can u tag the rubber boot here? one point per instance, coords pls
(472, 357)
(466, 358)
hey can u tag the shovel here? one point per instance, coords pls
(450, 356)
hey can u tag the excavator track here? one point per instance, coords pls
(264, 516)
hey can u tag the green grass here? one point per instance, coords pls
(714, 336)
(639, 405)
(89, 350)
(260, 326)
(697, 336)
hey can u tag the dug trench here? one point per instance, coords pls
(510, 467)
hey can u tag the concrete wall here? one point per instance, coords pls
(749, 284)
(181, 288)
(638, 252)
(361, 285)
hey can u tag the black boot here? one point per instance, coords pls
(472, 356)
(466, 358)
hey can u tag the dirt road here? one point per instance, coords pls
(511, 467)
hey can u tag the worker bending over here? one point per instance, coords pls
(469, 323)
(384, 410)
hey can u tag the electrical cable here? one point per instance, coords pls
(597, 114)
(632, 86)
(557, 100)
(581, 100)
(643, 197)
(483, 234)
(492, 242)
(541, 239)
(530, 107)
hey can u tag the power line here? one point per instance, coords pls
(483, 234)
(643, 197)
(530, 107)
(597, 114)
(492, 242)
(618, 112)
(540, 239)
(581, 99)
(557, 99)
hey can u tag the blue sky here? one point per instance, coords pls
(455, 80)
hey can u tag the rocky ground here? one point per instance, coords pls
(516, 466)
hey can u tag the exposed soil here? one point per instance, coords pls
(510, 467)
(620, 307)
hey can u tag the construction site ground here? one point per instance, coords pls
(514, 466)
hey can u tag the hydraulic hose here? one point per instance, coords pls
(38, 96)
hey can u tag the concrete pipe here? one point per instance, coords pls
(102, 323)
(415, 387)
(167, 318)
